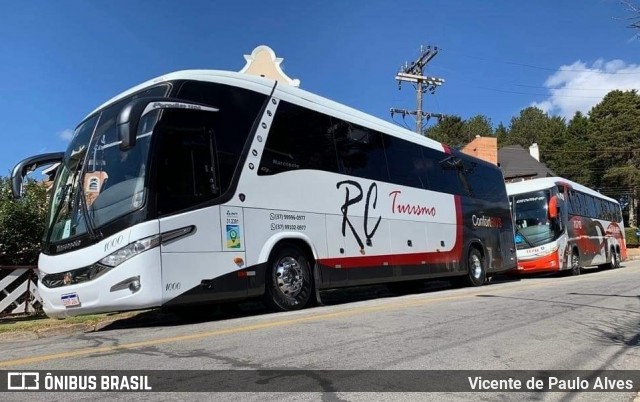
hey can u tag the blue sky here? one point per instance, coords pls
(62, 59)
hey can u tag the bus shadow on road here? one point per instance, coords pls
(562, 274)
(220, 312)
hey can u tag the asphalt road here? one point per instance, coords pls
(587, 322)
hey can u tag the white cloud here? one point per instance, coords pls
(66, 135)
(579, 87)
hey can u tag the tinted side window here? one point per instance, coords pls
(232, 124)
(571, 207)
(443, 172)
(484, 181)
(593, 207)
(360, 151)
(406, 166)
(188, 172)
(299, 139)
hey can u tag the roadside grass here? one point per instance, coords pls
(42, 322)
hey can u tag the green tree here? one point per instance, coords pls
(21, 223)
(456, 132)
(614, 133)
(553, 144)
(575, 162)
(501, 134)
(478, 125)
(535, 126)
(449, 130)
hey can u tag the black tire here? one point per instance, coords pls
(617, 259)
(575, 264)
(476, 270)
(288, 283)
(612, 260)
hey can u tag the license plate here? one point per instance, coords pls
(70, 300)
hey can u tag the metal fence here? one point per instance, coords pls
(18, 291)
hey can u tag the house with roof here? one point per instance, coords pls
(516, 163)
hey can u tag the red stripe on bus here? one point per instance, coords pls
(455, 254)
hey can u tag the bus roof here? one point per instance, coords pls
(544, 183)
(265, 86)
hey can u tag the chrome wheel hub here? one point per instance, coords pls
(288, 276)
(476, 266)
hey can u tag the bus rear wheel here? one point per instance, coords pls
(575, 264)
(288, 281)
(616, 259)
(477, 272)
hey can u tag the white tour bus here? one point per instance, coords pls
(562, 225)
(205, 186)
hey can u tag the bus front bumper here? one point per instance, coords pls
(547, 263)
(133, 285)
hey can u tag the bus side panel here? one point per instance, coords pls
(266, 229)
(592, 240)
(333, 275)
(194, 268)
(615, 234)
(380, 269)
(489, 225)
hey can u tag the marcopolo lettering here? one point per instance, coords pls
(68, 246)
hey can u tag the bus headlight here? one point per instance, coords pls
(74, 276)
(121, 255)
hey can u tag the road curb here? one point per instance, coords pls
(18, 336)
(58, 330)
(67, 329)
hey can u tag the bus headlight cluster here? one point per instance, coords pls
(121, 255)
(95, 270)
(547, 252)
(74, 276)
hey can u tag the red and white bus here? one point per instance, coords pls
(204, 186)
(562, 225)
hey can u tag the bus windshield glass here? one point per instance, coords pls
(97, 181)
(533, 226)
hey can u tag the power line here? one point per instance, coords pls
(537, 94)
(592, 151)
(536, 67)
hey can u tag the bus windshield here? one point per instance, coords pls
(97, 181)
(533, 226)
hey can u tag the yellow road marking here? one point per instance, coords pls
(274, 324)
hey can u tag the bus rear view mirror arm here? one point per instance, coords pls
(130, 116)
(28, 165)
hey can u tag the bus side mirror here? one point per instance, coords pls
(128, 120)
(130, 116)
(29, 165)
(553, 207)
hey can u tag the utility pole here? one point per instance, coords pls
(414, 73)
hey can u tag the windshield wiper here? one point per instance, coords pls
(85, 213)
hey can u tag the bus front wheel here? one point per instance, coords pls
(288, 280)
